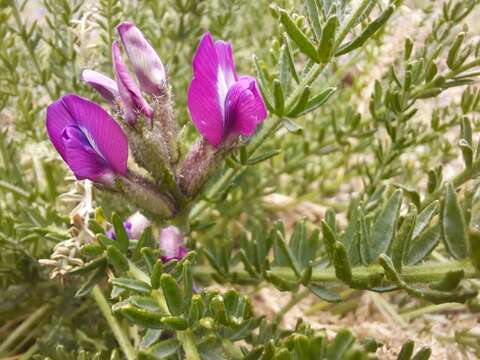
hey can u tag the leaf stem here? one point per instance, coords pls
(410, 274)
(117, 330)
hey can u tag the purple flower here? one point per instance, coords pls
(87, 138)
(103, 84)
(144, 60)
(132, 99)
(171, 244)
(220, 102)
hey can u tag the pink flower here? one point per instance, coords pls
(221, 103)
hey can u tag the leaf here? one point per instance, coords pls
(156, 274)
(424, 218)
(406, 351)
(296, 34)
(173, 294)
(301, 103)
(314, 18)
(298, 244)
(161, 350)
(423, 354)
(263, 157)
(292, 126)
(327, 41)
(120, 233)
(324, 293)
(291, 60)
(343, 270)
(92, 280)
(132, 285)
(424, 245)
(385, 225)
(286, 254)
(367, 32)
(279, 98)
(454, 227)
(145, 303)
(329, 239)
(117, 259)
(401, 241)
(284, 69)
(341, 344)
(106, 242)
(187, 282)
(99, 262)
(147, 319)
(318, 100)
(263, 84)
(450, 281)
(475, 248)
(453, 52)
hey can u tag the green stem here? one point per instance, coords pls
(117, 330)
(410, 274)
(296, 298)
(23, 35)
(387, 310)
(29, 353)
(433, 308)
(184, 337)
(25, 326)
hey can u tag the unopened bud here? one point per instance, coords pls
(172, 244)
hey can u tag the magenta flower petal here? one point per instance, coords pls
(87, 138)
(244, 107)
(220, 102)
(144, 60)
(84, 161)
(132, 99)
(205, 94)
(103, 84)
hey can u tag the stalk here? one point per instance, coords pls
(424, 273)
(117, 330)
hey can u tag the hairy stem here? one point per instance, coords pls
(117, 330)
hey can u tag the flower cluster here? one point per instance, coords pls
(171, 242)
(95, 145)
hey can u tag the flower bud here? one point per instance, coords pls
(132, 99)
(172, 244)
(144, 60)
(105, 86)
(134, 225)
